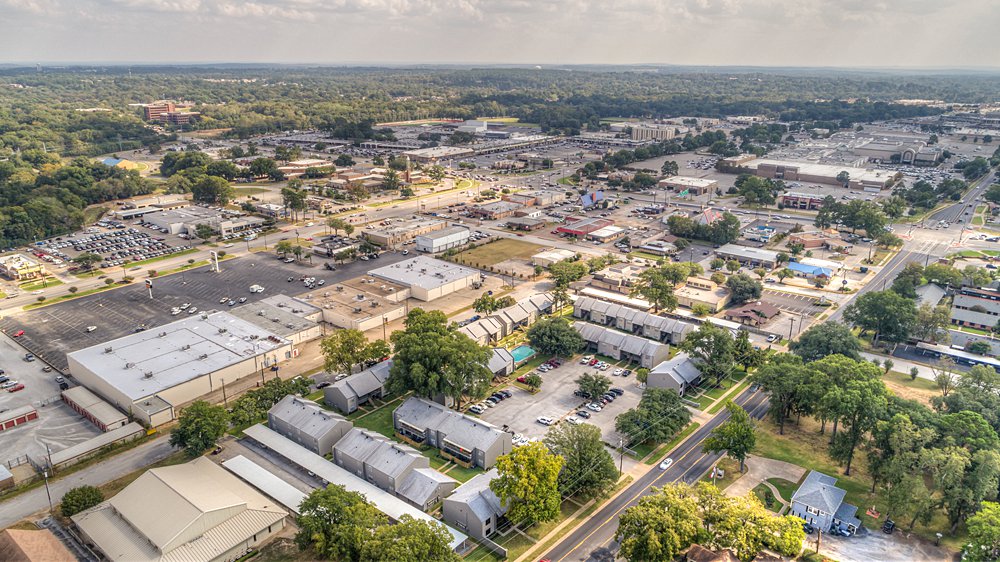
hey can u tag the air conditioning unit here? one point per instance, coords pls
(357, 310)
(129, 365)
(107, 349)
(185, 347)
(203, 356)
(162, 334)
(260, 313)
(147, 375)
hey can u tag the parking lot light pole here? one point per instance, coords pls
(791, 325)
(45, 476)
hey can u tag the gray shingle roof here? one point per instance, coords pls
(628, 343)
(358, 444)
(306, 415)
(419, 485)
(464, 431)
(500, 360)
(476, 493)
(681, 368)
(820, 491)
(366, 381)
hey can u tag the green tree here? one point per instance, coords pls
(669, 168)
(890, 316)
(984, 534)
(391, 181)
(213, 190)
(932, 323)
(717, 263)
(660, 525)
(979, 348)
(588, 469)
(344, 161)
(203, 231)
(658, 417)
(284, 247)
(844, 178)
(555, 336)
(743, 288)
(527, 483)
(485, 304)
(593, 384)
(712, 349)
(409, 539)
(784, 378)
(757, 192)
(732, 266)
(343, 349)
(199, 426)
(736, 436)
(642, 375)
(80, 499)
(655, 286)
(337, 523)
(828, 338)
(862, 403)
(784, 273)
(436, 172)
(432, 357)
(566, 272)
(745, 353)
(87, 260)
(533, 380)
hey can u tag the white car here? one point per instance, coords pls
(545, 420)
(574, 420)
(594, 407)
(192, 310)
(772, 338)
(618, 372)
(184, 306)
(175, 311)
(586, 359)
(666, 464)
(90, 329)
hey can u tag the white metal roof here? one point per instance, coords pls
(424, 272)
(259, 477)
(392, 506)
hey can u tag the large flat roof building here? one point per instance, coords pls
(428, 278)
(150, 373)
(434, 154)
(859, 178)
(694, 186)
(361, 303)
(443, 240)
(751, 257)
(393, 235)
(185, 220)
(185, 513)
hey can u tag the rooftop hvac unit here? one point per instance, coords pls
(374, 304)
(296, 311)
(357, 310)
(340, 288)
(162, 334)
(203, 356)
(107, 349)
(147, 375)
(290, 326)
(223, 330)
(274, 320)
(129, 365)
(260, 313)
(390, 289)
(185, 347)
(281, 305)
(360, 296)
(423, 270)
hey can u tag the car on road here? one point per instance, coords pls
(772, 338)
(667, 463)
(545, 420)
(18, 333)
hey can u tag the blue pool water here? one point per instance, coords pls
(522, 353)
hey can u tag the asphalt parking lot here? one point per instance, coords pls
(556, 400)
(57, 426)
(790, 302)
(55, 330)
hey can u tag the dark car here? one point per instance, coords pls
(506, 393)
(323, 384)
(616, 391)
(4, 379)
(583, 414)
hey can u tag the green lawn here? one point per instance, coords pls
(497, 251)
(567, 180)
(785, 487)
(248, 191)
(764, 494)
(379, 420)
(721, 404)
(164, 257)
(47, 283)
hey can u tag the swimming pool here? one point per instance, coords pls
(522, 353)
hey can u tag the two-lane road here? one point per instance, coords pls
(594, 539)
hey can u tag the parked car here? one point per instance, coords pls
(18, 333)
(475, 409)
(574, 420)
(616, 391)
(323, 384)
(545, 420)
(583, 414)
(772, 338)
(594, 407)
(16, 388)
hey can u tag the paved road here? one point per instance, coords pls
(24, 505)
(594, 539)
(956, 212)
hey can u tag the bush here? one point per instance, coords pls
(80, 499)
(73, 289)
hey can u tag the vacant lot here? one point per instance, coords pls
(498, 251)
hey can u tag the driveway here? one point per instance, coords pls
(760, 469)
(879, 546)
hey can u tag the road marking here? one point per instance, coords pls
(630, 500)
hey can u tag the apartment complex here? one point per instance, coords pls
(466, 440)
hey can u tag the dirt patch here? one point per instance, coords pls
(910, 393)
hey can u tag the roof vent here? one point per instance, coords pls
(162, 334)
(185, 347)
(129, 365)
(357, 310)
(107, 349)
(147, 375)
(203, 356)
(290, 326)
(223, 330)
(260, 313)
(374, 304)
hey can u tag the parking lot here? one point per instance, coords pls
(57, 426)
(54, 330)
(114, 241)
(791, 302)
(556, 400)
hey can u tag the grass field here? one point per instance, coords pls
(248, 191)
(496, 252)
(660, 452)
(918, 389)
(48, 283)
(785, 487)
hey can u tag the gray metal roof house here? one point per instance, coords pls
(638, 322)
(503, 322)
(501, 362)
(473, 507)
(349, 393)
(466, 440)
(619, 345)
(307, 423)
(678, 373)
(393, 467)
(821, 503)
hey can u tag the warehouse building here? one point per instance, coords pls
(308, 424)
(525, 224)
(495, 210)
(443, 240)
(435, 154)
(151, 373)
(185, 220)
(693, 186)
(195, 512)
(582, 226)
(17, 416)
(551, 256)
(397, 234)
(287, 321)
(858, 178)
(428, 278)
(361, 303)
(749, 257)
(91, 406)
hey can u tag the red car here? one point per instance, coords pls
(18, 333)
(521, 378)
(16, 388)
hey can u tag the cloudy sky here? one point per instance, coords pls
(883, 33)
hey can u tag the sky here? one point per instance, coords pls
(811, 33)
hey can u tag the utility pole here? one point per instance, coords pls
(621, 455)
(790, 326)
(225, 400)
(45, 476)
